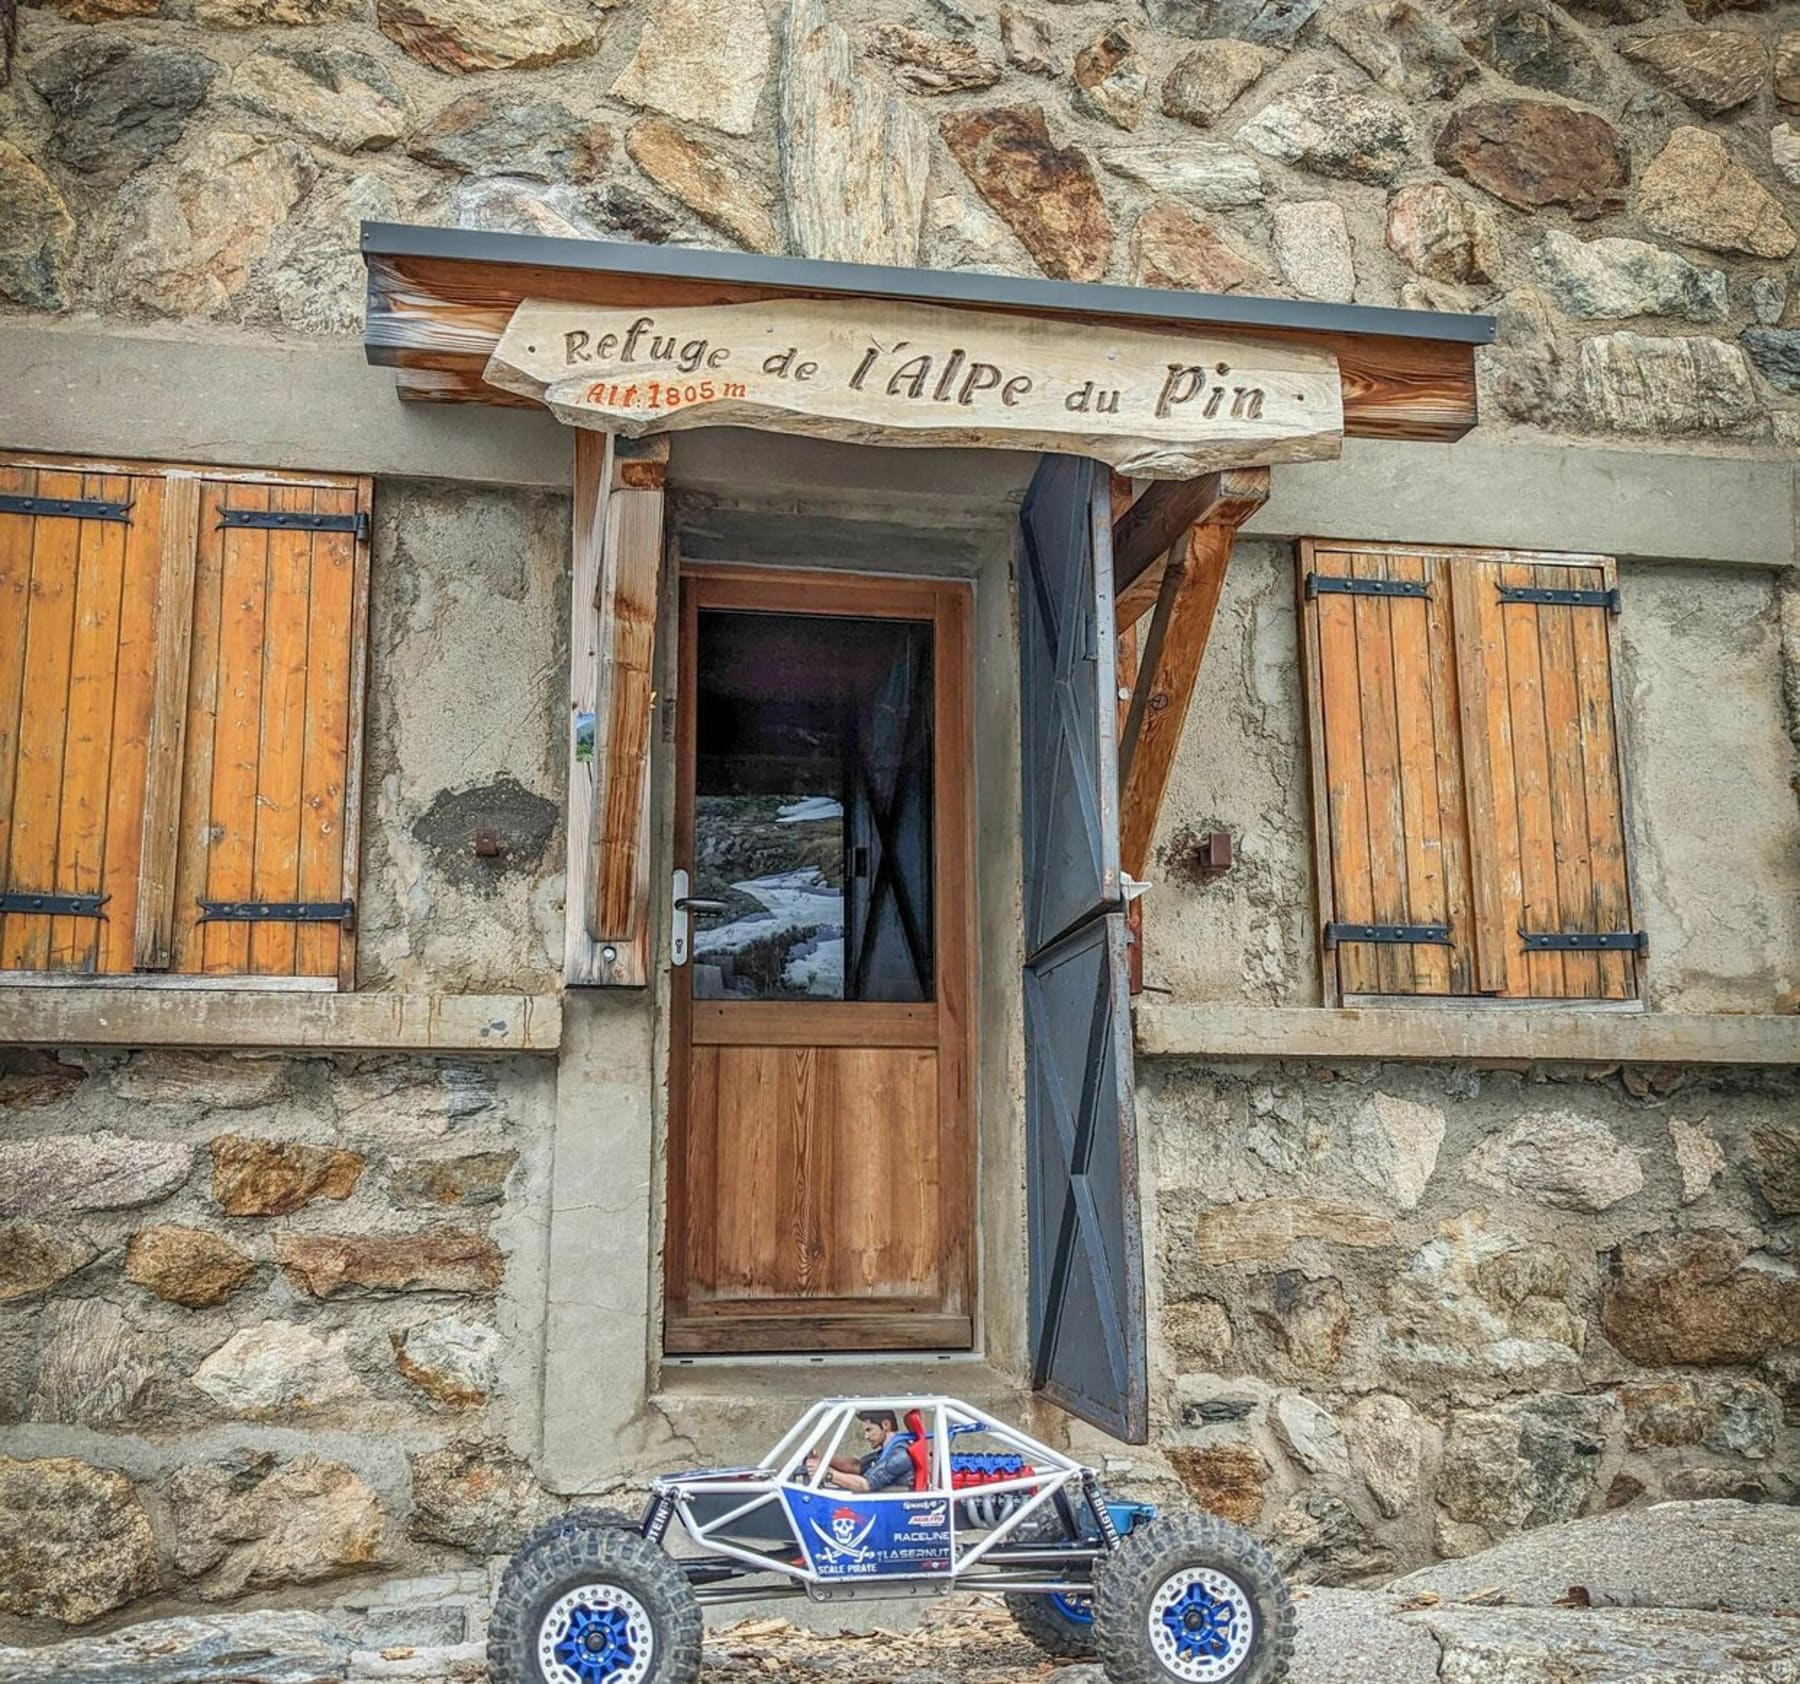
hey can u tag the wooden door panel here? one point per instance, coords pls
(821, 1150)
(812, 1203)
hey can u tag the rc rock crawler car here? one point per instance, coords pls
(597, 1597)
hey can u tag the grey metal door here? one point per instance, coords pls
(1086, 1236)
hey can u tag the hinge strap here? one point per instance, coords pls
(30, 902)
(292, 520)
(341, 912)
(1582, 941)
(1556, 597)
(1333, 584)
(77, 508)
(1435, 935)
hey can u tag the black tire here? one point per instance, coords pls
(1051, 1628)
(576, 1520)
(660, 1637)
(570, 1520)
(1253, 1641)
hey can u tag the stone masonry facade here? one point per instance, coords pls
(1406, 1311)
(271, 1327)
(1616, 180)
(265, 1323)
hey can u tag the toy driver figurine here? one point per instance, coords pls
(887, 1464)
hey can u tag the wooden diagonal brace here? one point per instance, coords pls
(1144, 535)
(1169, 660)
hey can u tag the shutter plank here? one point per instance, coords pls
(1591, 635)
(1488, 778)
(327, 734)
(16, 533)
(194, 839)
(281, 750)
(43, 717)
(1540, 909)
(159, 627)
(87, 734)
(1341, 710)
(1568, 791)
(1452, 806)
(237, 739)
(1427, 899)
(1381, 770)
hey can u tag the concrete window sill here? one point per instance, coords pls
(1473, 1032)
(290, 1020)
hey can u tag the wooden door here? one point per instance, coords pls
(821, 1159)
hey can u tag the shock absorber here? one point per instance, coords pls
(1096, 1500)
(661, 1513)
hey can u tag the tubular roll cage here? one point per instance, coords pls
(1057, 1566)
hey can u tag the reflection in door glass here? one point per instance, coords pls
(812, 808)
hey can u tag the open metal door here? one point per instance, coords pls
(1086, 1253)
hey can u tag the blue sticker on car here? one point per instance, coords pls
(858, 1537)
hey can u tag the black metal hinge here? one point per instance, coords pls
(60, 906)
(1582, 941)
(1556, 597)
(1334, 584)
(78, 508)
(291, 520)
(1435, 935)
(342, 912)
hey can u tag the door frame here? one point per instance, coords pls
(853, 1325)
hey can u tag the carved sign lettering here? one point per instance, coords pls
(1156, 405)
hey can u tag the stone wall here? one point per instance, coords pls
(1399, 1313)
(269, 1327)
(1709, 660)
(1617, 179)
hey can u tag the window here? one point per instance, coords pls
(180, 720)
(1469, 819)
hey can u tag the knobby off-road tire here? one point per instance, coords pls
(1053, 1628)
(594, 1605)
(1191, 1599)
(570, 1520)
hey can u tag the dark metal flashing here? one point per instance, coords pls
(811, 276)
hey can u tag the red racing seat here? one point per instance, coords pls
(919, 1450)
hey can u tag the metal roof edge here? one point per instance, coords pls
(944, 286)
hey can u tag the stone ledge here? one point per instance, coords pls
(124, 1017)
(1480, 1032)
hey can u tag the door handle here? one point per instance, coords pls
(682, 908)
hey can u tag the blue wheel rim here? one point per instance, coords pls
(1077, 1610)
(595, 1634)
(1201, 1625)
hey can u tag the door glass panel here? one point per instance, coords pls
(812, 808)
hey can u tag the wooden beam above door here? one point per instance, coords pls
(439, 300)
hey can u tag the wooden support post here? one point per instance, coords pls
(1144, 536)
(618, 566)
(180, 548)
(1169, 662)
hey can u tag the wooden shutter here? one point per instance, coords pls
(1086, 1257)
(212, 677)
(77, 626)
(1467, 788)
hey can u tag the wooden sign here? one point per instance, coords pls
(1156, 405)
